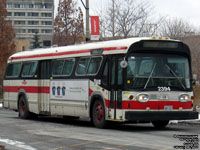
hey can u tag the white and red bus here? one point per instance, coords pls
(129, 80)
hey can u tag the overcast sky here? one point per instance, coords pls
(188, 10)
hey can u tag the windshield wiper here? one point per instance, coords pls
(150, 76)
(174, 74)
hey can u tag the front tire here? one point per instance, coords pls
(98, 114)
(160, 124)
(23, 108)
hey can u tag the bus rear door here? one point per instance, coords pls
(44, 84)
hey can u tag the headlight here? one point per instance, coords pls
(184, 97)
(143, 98)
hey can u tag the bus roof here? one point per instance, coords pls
(109, 47)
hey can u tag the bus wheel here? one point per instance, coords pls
(160, 124)
(23, 108)
(98, 114)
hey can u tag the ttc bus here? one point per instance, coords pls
(128, 80)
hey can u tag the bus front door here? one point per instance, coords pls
(44, 87)
(115, 86)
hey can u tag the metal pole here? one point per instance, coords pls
(87, 21)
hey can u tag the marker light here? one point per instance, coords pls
(143, 98)
(184, 97)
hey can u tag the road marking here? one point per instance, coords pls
(18, 144)
(79, 144)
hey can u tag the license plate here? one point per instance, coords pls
(168, 108)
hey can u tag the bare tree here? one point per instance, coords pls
(129, 18)
(177, 28)
(7, 45)
(68, 26)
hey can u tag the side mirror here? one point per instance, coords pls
(123, 63)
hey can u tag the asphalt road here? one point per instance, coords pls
(47, 133)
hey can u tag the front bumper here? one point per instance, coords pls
(157, 115)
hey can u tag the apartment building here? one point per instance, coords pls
(29, 17)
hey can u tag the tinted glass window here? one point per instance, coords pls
(94, 65)
(82, 66)
(29, 69)
(13, 70)
(58, 66)
(68, 67)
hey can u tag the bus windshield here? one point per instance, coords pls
(155, 71)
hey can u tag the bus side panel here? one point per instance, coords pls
(69, 97)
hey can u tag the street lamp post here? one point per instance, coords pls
(87, 19)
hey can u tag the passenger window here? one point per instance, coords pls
(29, 69)
(82, 66)
(68, 67)
(13, 70)
(94, 65)
(58, 66)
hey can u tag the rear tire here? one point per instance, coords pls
(98, 114)
(160, 124)
(23, 108)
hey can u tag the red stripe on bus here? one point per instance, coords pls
(65, 53)
(114, 48)
(152, 105)
(28, 89)
(157, 105)
(51, 54)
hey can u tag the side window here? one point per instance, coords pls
(94, 66)
(63, 67)
(68, 67)
(29, 69)
(82, 66)
(57, 68)
(13, 70)
(89, 66)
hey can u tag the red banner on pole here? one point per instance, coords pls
(94, 27)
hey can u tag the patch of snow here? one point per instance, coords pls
(17, 144)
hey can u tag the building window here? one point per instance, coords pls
(16, 5)
(33, 14)
(33, 31)
(9, 13)
(46, 31)
(46, 14)
(47, 43)
(33, 22)
(19, 22)
(20, 30)
(30, 5)
(46, 22)
(48, 6)
(19, 14)
(9, 5)
(38, 5)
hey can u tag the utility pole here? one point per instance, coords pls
(86, 6)
(87, 21)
